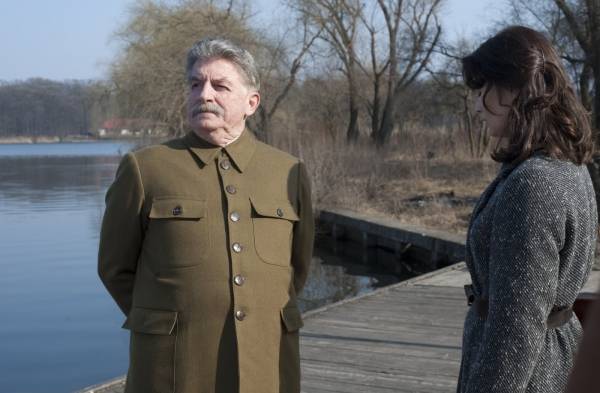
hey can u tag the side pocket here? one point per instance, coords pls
(289, 350)
(152, 350)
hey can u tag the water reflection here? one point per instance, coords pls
(61, 330)
(335, 276)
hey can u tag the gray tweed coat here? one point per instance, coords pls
(530, 247)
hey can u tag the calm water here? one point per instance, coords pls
(60, 330)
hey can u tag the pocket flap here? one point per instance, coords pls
(177, 208)
(145, 320)
(291, 318)
(274, 208)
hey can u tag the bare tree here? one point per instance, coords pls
(413, 30)
(48, 108)
(339, 22)
(585, 26)
(410, 53)
(279, 76)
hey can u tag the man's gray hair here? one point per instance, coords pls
(219, 48)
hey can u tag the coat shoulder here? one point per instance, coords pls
(161, 150)
(548, 183)
(275, 155)
(546, 167)
(548, 174)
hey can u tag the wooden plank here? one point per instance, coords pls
(458, 276)
(404, 339)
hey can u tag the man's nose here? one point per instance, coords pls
(206, 93)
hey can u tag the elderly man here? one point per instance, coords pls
(206, 241)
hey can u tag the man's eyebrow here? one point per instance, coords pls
(192, 78)
(222, 80)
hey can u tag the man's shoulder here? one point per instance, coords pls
(162, 150)
(271, 153)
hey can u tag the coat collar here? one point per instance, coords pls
(240, 151)
(505, 170)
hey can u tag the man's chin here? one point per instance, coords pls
(206, 126)
(212, 136)
(203, 131)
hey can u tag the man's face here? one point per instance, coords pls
(219, 99)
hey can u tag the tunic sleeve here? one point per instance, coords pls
(121, 233)
(304, 230)
(527, 235)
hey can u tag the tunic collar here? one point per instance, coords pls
(240, 151)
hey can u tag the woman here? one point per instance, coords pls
(532, 234)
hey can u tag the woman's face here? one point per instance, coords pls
(494, 111)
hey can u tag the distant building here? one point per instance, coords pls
(127, 127)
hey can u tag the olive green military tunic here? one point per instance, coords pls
(204, 249)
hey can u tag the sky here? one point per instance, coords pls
(72, 39)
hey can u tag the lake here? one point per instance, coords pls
(60, 330)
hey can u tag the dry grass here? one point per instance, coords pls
(413, 179)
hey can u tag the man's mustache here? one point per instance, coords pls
(207, 107)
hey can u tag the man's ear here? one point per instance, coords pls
(253, 103)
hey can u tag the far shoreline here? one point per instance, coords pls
(31, 140)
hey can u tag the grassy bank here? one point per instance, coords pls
(420, 179)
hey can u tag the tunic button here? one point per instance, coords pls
(237, 247)
(225, 164)
(177, 210)
(240, 315)
(235, 216)
(231, 189)
(239, 280)
(280, 212)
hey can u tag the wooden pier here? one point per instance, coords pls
(401, 338)
(383, 242)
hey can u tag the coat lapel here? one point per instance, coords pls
(489, 191)
(505, 170)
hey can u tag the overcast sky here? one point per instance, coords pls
(71, 39)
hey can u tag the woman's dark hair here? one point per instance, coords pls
(546, 113)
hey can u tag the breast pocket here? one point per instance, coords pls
(178, 233)
(273, 224)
